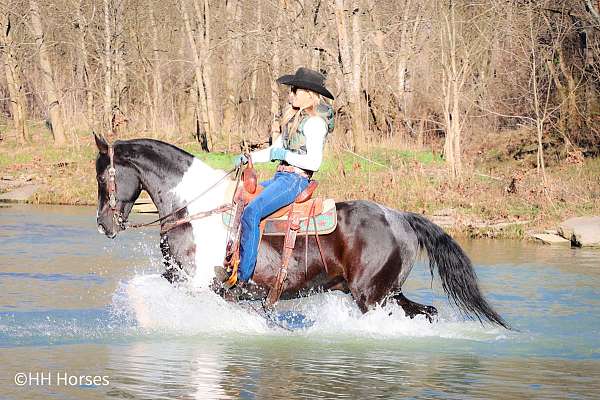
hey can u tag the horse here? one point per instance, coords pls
(369, 254)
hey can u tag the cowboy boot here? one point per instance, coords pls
(221, 274)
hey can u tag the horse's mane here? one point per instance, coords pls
(154, 143)
(164, 156)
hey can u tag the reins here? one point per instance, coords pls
(159, 221)
(112, 189)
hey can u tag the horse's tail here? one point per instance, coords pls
(455, 269)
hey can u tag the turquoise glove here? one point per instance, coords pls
(278, 154)
(241, 159)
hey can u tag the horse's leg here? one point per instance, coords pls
(411, 308)
(372, 282)
(179, 253)
(172, 267)
(381, 252)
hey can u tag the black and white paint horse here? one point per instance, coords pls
(369, 255)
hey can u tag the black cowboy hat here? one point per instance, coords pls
(306, 78)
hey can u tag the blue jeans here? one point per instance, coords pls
(278, 192)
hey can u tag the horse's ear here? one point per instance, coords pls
(101, 143)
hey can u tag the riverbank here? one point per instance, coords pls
(494, 199)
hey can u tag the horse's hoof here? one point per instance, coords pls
(431, 314)
(431, 310)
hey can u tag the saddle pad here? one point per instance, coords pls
(326, 222)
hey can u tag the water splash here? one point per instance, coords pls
(159, 307)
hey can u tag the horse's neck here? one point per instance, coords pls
(184, 188)
(201, 180)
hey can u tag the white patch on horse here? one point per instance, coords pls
(209, 233)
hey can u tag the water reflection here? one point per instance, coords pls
(293, 369)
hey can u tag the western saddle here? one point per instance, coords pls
(304, 207)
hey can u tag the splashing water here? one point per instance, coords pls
(159, 307)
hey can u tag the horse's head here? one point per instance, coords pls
(118, 186)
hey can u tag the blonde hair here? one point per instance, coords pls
(291, 113)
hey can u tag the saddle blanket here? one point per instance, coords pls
(325, 222)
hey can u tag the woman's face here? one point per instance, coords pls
(300, 98)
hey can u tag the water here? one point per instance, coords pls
(75, 304)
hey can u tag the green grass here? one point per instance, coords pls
(11, 158)
(377, 159)
(523, 209)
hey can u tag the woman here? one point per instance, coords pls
(299, 149)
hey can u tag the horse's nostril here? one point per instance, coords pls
(101, 229)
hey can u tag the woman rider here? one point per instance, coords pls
(305, 125)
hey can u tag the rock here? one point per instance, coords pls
(581, 231)
(548, 238)
(19, 195)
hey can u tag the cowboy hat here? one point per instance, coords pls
(306, 78)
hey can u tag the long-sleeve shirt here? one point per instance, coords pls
(315, 131)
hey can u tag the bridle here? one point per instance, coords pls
(112, 190)
(118, 219)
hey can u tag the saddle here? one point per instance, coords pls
(306, 216)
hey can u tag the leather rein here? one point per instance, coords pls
(165, 227)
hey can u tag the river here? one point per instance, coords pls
(71, 326)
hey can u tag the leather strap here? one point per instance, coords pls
(294, 170)
(293, 225)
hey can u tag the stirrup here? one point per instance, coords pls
(233, 278)
(228, 277)
(221, 274)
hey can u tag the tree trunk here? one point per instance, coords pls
(118, 39)
(12, 70)
(357, 118)
(232, 72)
(203, 114)
(47, 76)
(87, 91)
(453, 79)
(573, 123)
(347, 67)
(275, 71)
(407, 42)
(203, 15)
(108, 91)
(157, 87)
(254, 80)
(539, 115)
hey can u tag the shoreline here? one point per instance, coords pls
(502, 200)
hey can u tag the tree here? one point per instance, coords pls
(52, 94)
(350, 63)
(455, 71)
(12, 70)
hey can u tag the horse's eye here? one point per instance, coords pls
(101, 179)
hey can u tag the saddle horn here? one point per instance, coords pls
(249, 176)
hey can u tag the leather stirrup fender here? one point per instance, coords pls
(307, 193)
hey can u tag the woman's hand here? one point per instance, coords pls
(239, 160)
(278, 154)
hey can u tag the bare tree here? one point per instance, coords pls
(52, 94)
(12, 70)
(350, 66)
(204, 112)
(455, 70)
(108, 66)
